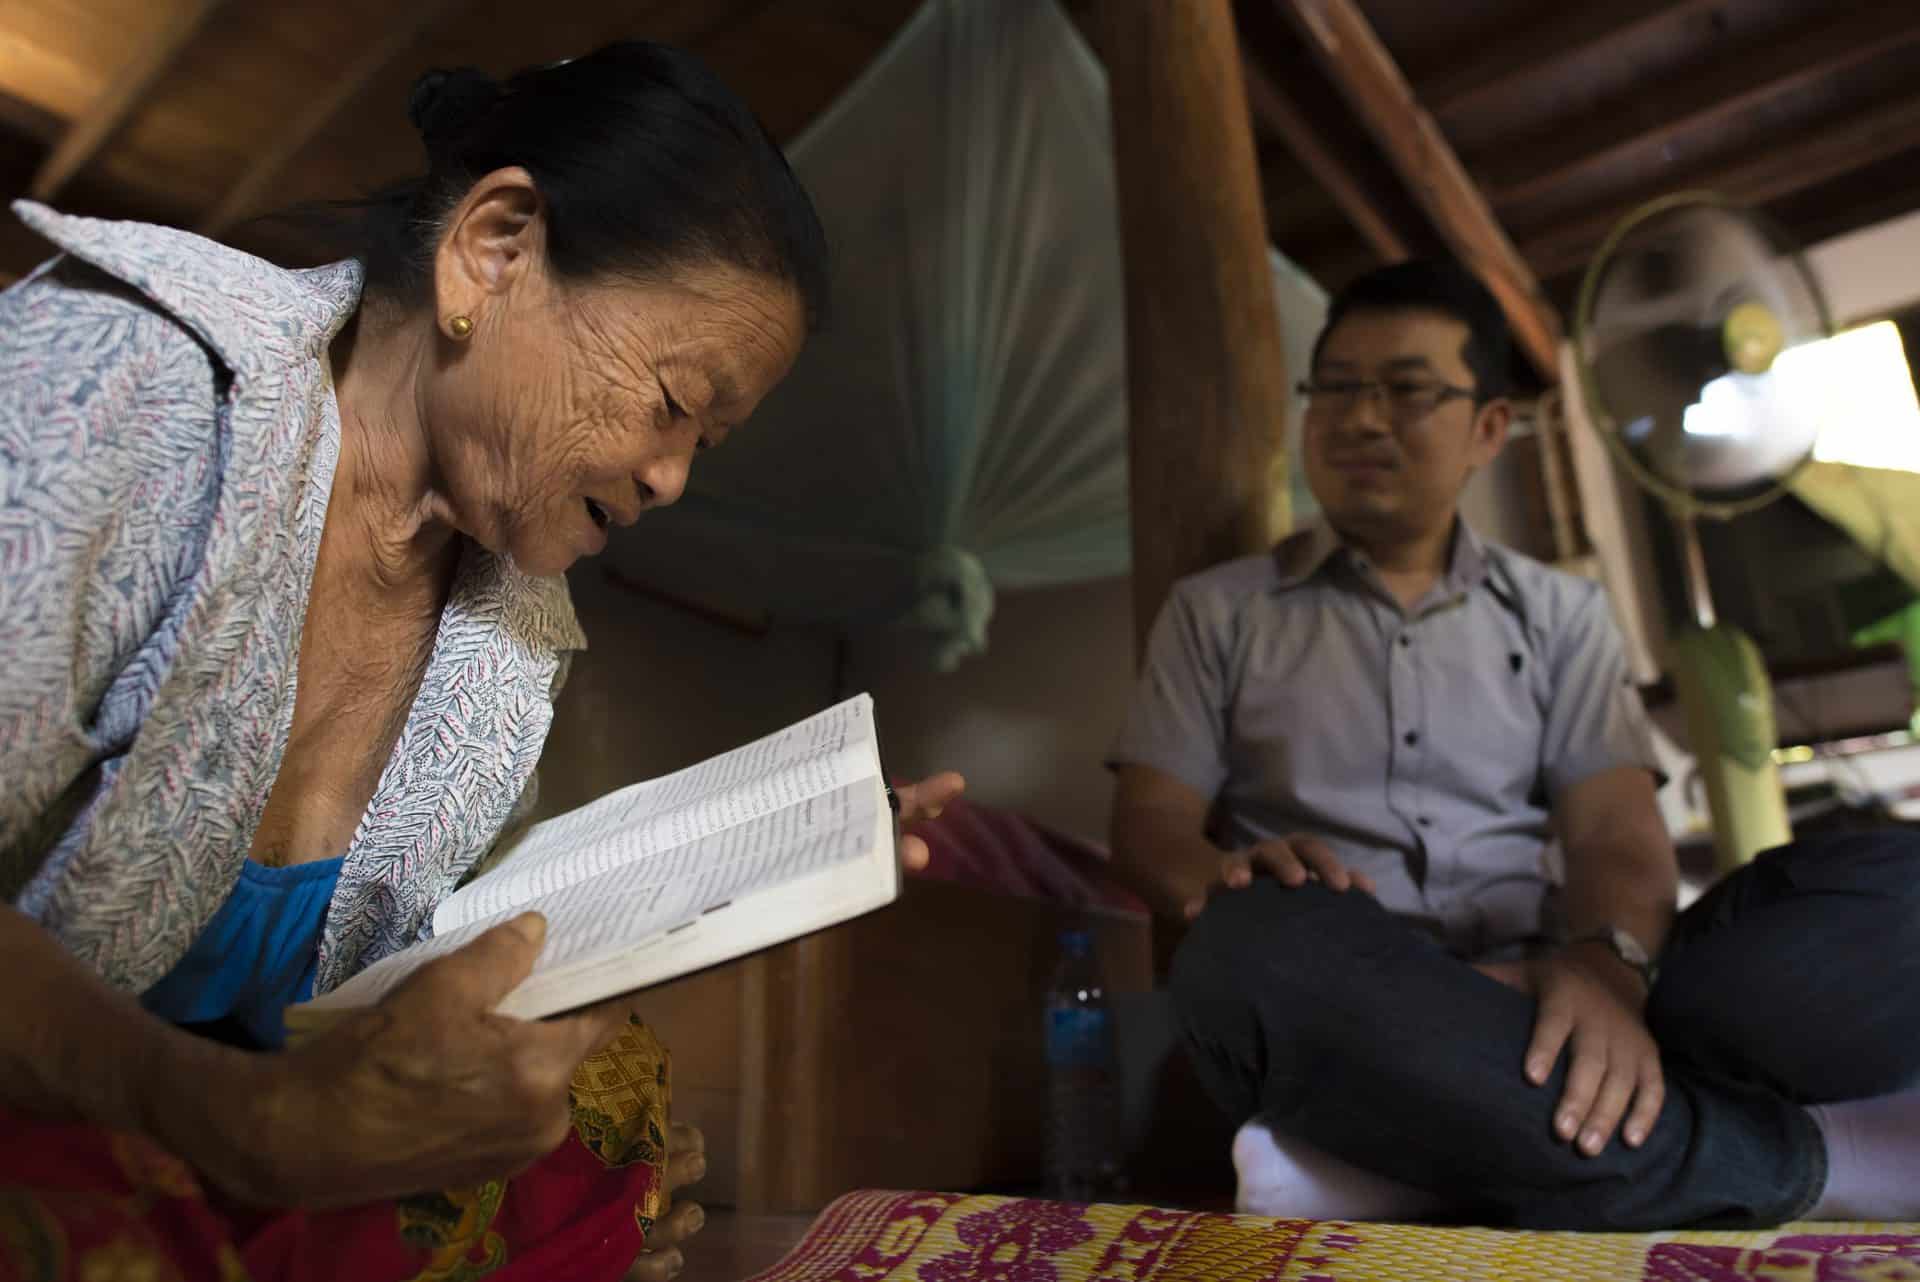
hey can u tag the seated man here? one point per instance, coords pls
(1347, 763)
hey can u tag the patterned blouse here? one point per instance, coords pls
(168, 434)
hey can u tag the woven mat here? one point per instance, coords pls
(940, 1237)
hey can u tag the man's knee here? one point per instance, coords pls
(1242, 985)
(1266, 938)
(1883, 864)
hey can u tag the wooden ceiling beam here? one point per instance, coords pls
(89, 135)
(1735, 84)
(1277, 114)
(28, 120)
(1885, 190)
(1823, 152)
(366, 142)
(1565, 35)
(244, 196)
(1347, 47)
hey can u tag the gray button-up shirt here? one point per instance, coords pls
(1426, 746)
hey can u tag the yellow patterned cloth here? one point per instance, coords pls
(941, 1237)
(621, 1099)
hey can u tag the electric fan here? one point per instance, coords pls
(1692, 339)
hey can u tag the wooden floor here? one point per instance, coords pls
(734, 1246)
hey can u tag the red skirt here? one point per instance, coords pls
(79, 1202)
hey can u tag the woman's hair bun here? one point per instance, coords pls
(444, 105)
(645, 163)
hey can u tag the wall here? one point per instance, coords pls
(1028, 722)
(1498, 503)
(1870, 273)
(659, 689)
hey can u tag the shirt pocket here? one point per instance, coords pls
(1487, 712)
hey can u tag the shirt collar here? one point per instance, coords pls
(1302, 554)
(1305, 553)
(250, 312)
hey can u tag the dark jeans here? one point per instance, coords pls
(1795, 980)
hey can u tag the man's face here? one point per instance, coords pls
(1391, 461)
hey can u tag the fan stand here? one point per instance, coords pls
(1727, 699)
(1724, 690)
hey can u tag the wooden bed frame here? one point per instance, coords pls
(900, 1050)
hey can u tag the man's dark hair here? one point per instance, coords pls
(1444, 287)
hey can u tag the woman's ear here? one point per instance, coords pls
(495, 237)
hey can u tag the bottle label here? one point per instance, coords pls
(1077, 1037)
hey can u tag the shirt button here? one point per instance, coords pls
(1405, 640)
(1413, 737)
(1425, 822)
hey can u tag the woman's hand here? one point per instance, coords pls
(686, 1163)
(427, 1090)
(920, 801)
(686, 1147)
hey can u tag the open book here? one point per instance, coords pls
(783, 837)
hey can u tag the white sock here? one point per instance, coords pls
(1873, 1158)
(1286, 1178)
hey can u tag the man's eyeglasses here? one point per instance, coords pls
(1407, 400)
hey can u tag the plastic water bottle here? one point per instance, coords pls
(1083, 1096)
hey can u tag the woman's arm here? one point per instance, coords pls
(427, 1090)
(72, 1047)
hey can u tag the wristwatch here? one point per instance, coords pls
(1628, 949)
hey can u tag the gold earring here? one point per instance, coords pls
(461, 327)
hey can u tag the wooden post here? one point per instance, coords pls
(1206, 383)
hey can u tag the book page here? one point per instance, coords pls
(824, 752)
(636, 905)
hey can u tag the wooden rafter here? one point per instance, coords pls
(87, 136)
(1548, 47)
(244, 196)
(353, 138)
(1881, 192)
(1347, 47)
(1276, 113)
(1734, 85)
(1823, 152)
(27, 121)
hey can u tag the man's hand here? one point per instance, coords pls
(686, 1164)
(1293, 861)
(1591, 1002)
(922, 801)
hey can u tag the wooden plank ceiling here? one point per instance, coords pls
(1513, 132)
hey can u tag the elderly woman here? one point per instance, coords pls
(281, 623)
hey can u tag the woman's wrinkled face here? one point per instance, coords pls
(573, 408)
